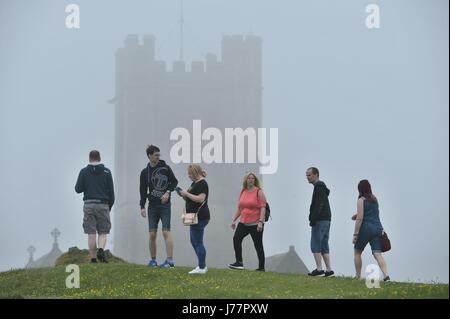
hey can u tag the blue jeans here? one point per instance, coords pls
(156, 213)
(196, 232)
(320, 233)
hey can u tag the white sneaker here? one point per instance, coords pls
(198, 271)
(194, 271)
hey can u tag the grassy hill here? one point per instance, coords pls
(123, 280)
(81, 256)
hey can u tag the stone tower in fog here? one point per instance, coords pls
(150, 101)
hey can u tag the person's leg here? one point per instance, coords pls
(103, 224)
(326, 259)
(197, 232)
(102, 241)
(325, 250)
(360, 244)
(258, 242)
(90, 228)
(92, 244)
(358, 262)
(375, 244)
(192, 229)
(381, 263)
(318, 260)
(153, 220)
(316, 245)
(239, 235)
(152, 245)
(202, 248)
(169, 244)
(165, 220)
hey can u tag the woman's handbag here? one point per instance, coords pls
(191, 218)
(385, 242)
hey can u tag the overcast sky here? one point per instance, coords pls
(355, 102)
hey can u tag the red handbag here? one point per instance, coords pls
(385, 242)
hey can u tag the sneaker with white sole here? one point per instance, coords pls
(152, 263)
(167, 264)
(317, 273)
(236, 265)
(198, 271)
(329, 273)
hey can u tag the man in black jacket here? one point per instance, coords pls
(157, 181)
(96, 182)
(319, 220)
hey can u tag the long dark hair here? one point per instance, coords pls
(365, 190)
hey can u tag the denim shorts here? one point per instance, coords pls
(155, 214)
(369, 233)
(320, 233)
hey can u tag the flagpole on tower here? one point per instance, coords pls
(181, 30)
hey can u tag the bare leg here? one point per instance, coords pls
(318, 260)
(381, 263)
(169, 243)
(326, 259)
(152, 245)
(102, 241)
(92, 244)
(358, 263)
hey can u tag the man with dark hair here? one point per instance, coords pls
(95, 181)
(319, 220)
(157, 181)
(94, 156)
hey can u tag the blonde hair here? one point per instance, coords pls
(257, 182)
(196, 171)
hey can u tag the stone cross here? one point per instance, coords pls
(55, 233)
(31, 251)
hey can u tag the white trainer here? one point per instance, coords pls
(198, 271)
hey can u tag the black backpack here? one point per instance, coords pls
(267, 212)
(266, 218)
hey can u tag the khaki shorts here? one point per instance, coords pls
(96, 218)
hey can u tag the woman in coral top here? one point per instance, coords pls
(251, 213)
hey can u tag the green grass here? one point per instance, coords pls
(123, 280)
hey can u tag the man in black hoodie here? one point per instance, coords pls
(96, 182)
(319, 220)
(157, 181)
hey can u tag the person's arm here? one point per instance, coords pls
(318, 194)
(200, 198)
(262, 216)
(359, 218)
(111, 190)
(237, 214)
(143, 190)
(201, 188)
(79, 186)
(322, 199)
(235, 217)
(173, 182)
